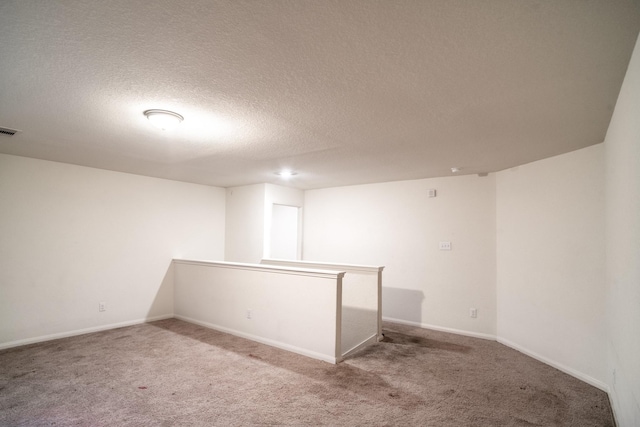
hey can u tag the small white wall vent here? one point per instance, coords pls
(7, 131)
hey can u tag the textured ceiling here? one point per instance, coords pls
(343, 92)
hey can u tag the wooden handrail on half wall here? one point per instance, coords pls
(293, 308)
(361, 300)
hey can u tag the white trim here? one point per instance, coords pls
(349, 268)
(441, 329)
(576, 374)
(579, 375)
(84, 331)
(261, 340)
(264, 268)
(613, 401)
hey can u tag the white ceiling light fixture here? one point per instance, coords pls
(286, 174)
(163, 119)
(455, 170)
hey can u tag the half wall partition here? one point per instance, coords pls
(361, 300)
(294, 309)
(298, 306)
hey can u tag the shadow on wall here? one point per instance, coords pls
(402, 304)
(358, 325)
(162, 305)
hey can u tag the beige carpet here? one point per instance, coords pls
(172, 373)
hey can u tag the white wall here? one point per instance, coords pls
(550, 252)
(622, 148)
(71, 237)
(396, 225)
(244, 230)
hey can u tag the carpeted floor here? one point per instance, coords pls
(172, 373)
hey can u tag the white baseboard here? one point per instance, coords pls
(613, 401)
(441, 328)
(567, 370)
(579, 375)
(262, 340)
(76, 332)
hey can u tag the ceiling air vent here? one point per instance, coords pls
(7, 131)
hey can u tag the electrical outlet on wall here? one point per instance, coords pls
(445, 246)
(102, 306)
(473, 312)
(249, 313)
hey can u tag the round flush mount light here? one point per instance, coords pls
(163, 119)
(286, 174)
